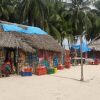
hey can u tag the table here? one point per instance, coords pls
(77, 60)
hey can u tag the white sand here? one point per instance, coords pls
(63, 85)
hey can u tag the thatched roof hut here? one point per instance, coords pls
(95, 43)
(37, 41)
(8, 39)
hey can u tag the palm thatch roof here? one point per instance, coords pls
(26, 42)
(45, 42)
(8, 39)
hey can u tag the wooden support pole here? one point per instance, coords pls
(82, 76)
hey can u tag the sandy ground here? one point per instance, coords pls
(64, 85)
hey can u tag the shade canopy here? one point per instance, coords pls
(85, 47)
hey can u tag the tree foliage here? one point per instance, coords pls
(59, 19)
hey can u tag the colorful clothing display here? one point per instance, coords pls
(55, 61)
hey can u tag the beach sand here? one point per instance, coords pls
(64, 85)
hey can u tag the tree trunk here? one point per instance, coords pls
(61, 40)
(30, 21)
(69, 43)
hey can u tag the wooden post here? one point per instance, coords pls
(82, 76)
(17, 60)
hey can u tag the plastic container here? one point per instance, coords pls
(68, 65)
(50, 71)
(28, 69)
(55, 70)
(26, 73)
(41, 71)
(60, 67)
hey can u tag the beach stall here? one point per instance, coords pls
(77, 49)
(48, 51)
(45, 51)
(10, 46)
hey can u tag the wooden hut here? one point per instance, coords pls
(9, 48)
(95, 45)
(46, 49)
(45, 45)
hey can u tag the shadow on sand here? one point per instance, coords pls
(74, 78)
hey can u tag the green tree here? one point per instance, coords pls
(78, 12)
(5, 9)
(8, 10)
(55, 23)
(95, 19)
(32, 11)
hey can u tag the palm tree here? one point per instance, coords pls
(8, 9)
(95, 19)
(55, 22)
(33, 11)
(78, 11)
(4, 9)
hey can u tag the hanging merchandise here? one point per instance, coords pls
(59, 58)
(41, 60)
(2, 57)
(21, 59)
(45, 63)
(67, 62)
(29, 59)
(40, 53)
(35, 58)
(46, 55)
(55, 60)
(51, 61)
(12, 55)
